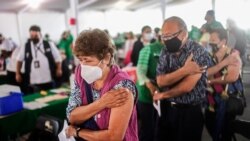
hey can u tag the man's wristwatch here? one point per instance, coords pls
(77, 132)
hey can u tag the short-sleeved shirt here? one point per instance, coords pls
(146, 69)
(170, 62)
(42, 74)
(7, 45)
(75, 99)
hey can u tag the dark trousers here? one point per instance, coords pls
(180, 122)
(223, 132)
(11, 78)
(44, 86)
(147, 121)
(30, 89)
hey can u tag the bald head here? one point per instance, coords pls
(181, 25)
(174, 27)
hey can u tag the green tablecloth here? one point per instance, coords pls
(24, 121)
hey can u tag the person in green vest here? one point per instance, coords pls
(195, 33)
(146, 85)
(65, 44)
(211, 23)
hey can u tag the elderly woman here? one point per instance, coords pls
(102, 93)
(224, 79)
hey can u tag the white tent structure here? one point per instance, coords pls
(53, 16)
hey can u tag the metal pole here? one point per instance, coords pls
(74, 14)
(213, 5)
(18, 19)
(163, 9)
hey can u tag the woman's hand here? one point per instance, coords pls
(114, 98)
(70, 131)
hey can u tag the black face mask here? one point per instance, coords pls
(214, 47)
(173, 45)
(35, 40)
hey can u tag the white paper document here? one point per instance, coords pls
(157, 106)
(51, 98)
(62, 134)
(60, 90)
(34, 105)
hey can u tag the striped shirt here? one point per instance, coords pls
(142, 66)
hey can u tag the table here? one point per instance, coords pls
(25, 120)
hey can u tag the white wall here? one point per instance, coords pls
(237, 10)
(91, 19)
(8, 26)
(50, 22)
(120, 20)
(116, 21)
(193, 13)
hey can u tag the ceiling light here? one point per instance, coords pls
(34, 3)
(122, 4)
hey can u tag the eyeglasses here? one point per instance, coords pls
(169, 37)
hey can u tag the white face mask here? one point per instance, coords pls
(148, 36)
(91, 73)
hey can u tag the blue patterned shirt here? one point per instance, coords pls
(75, 99)
(170, 62)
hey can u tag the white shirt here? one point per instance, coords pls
(11, 61)
(42, 74)
(7, 45)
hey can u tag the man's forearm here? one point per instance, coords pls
(174, 92)
(184, 87)
(58, 65)
(171, 78)
(18, 67)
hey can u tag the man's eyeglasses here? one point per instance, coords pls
(169, 37)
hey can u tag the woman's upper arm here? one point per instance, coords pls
(119, 118)
(234, 71)
(74, 99)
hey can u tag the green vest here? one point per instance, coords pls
(155, 50)
(65, 45)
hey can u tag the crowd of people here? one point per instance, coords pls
(189, 75)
